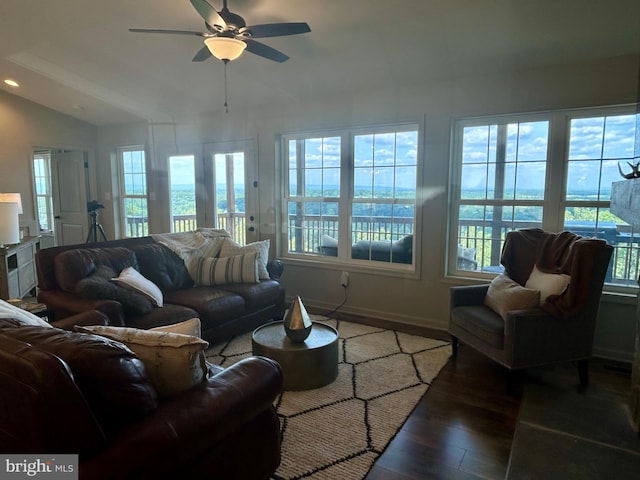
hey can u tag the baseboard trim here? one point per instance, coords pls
(389, 320)
(611, 354)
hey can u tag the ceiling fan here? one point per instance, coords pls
(228, 35)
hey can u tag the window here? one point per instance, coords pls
(507, 174)
(598, 148)
(133, 191)
(42, 183)
(351, 195)
(502, 172)
(182, 180)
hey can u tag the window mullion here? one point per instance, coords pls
(557, 167)
(346, 192)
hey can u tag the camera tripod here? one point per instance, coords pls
(95, 228)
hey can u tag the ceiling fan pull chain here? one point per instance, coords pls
(226, 106)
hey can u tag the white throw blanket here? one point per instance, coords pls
(191, 246)
(26, 318)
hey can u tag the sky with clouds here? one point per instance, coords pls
(596, 146)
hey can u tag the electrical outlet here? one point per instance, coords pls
(344, 279)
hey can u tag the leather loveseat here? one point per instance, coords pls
(66, 392)
(224, 310)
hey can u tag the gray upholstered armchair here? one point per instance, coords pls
(558, 329)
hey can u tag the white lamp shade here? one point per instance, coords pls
(9, 224)
(225, 48)
(12, 198)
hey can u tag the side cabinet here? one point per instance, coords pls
(18, 269)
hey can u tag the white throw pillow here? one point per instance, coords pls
(547, 283)
(505, 295)
(222, 271)
(25, 318)
(231, 248)
(134, 280)
(188, 327)
(173, 361)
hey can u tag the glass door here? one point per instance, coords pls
(230, 182)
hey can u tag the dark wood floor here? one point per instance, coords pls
(461, 429)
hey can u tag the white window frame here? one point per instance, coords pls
(43, 178)
(554, 202)
(143, 230)
(346, 200)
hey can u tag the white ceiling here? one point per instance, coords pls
(78, 57)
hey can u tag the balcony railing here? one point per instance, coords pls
(232, 223)
(486, 239)
(624, 267)
(305, 234)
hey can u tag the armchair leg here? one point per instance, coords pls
(454, 346)
(583, 372)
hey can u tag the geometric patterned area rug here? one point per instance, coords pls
(338, 431)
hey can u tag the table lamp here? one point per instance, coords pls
(9, 224)
(12, 198)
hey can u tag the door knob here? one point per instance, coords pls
(252, 229)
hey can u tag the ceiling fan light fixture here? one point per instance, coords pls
(225, 48)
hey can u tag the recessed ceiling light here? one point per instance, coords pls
(11, 83)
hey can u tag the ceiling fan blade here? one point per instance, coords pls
(265, 51)
(209, 13)
(202, 54)
(173, 32)
(277, 29)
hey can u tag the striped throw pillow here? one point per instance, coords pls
(221, 271)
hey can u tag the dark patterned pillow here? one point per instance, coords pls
(98, 286)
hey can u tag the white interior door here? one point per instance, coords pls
(231, 184)
(69, 191)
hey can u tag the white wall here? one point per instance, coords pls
(25, 125)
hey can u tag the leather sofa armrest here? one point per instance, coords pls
(64, 304)
(467, 295)
(90, 317)
(191, 423)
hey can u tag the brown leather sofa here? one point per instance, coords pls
(67, 392)
(224, 311)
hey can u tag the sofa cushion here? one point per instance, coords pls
(167, 315)
(174, 362)
(98, 286)
(112, 379)
(257, 295)
(72, 266)
(214, 305)
(132, 279)
(163, 267)
(222, 271)
(483, 323)
(505, 295)
(230, 248)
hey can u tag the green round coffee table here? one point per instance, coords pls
(307, 365)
